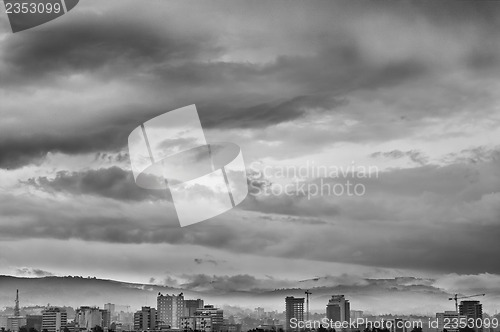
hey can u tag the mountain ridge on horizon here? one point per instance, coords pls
(378, 296)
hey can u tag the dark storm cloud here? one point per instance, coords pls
(389, 213)
(96, 46)
(105, 134)
(385, 228)
(182, 65)
(94, 42)
(413, 244)
(116, 222)
(111, 182)
(267, 114)
(315, 83)
(111, 135)
(24, 149)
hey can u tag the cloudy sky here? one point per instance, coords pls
(408, 88)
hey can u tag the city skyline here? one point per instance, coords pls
(160, 298)
(209, 318)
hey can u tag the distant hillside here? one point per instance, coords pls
(373, 295)
(76, 291)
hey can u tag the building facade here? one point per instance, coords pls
(471, 310)
(54, 319)
(294, 308)
(170, 310)
(205, 319)
(34, 321)
(14, 323)
(87, 318)
(145, 319)
(191, 306)
(338, 309)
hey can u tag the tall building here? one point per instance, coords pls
(338, 309)
(294, 308)
(471, 309)
(110, 308)
(145, 319)
(106, 318)
(190, 307)
(170, 310)
(54, 319)
(89, 317)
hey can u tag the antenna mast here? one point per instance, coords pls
(16, 308)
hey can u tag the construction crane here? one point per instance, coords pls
(456, 298)
(307, 304)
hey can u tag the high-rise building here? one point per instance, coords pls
(190, 306)
(170, 310)
(54, 319)
(145, 319)
(338, 309)
(294, 308)
(106, 318)
(471, 310)
(110, 308)
(89, 317)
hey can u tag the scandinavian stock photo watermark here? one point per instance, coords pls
(311, 180)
